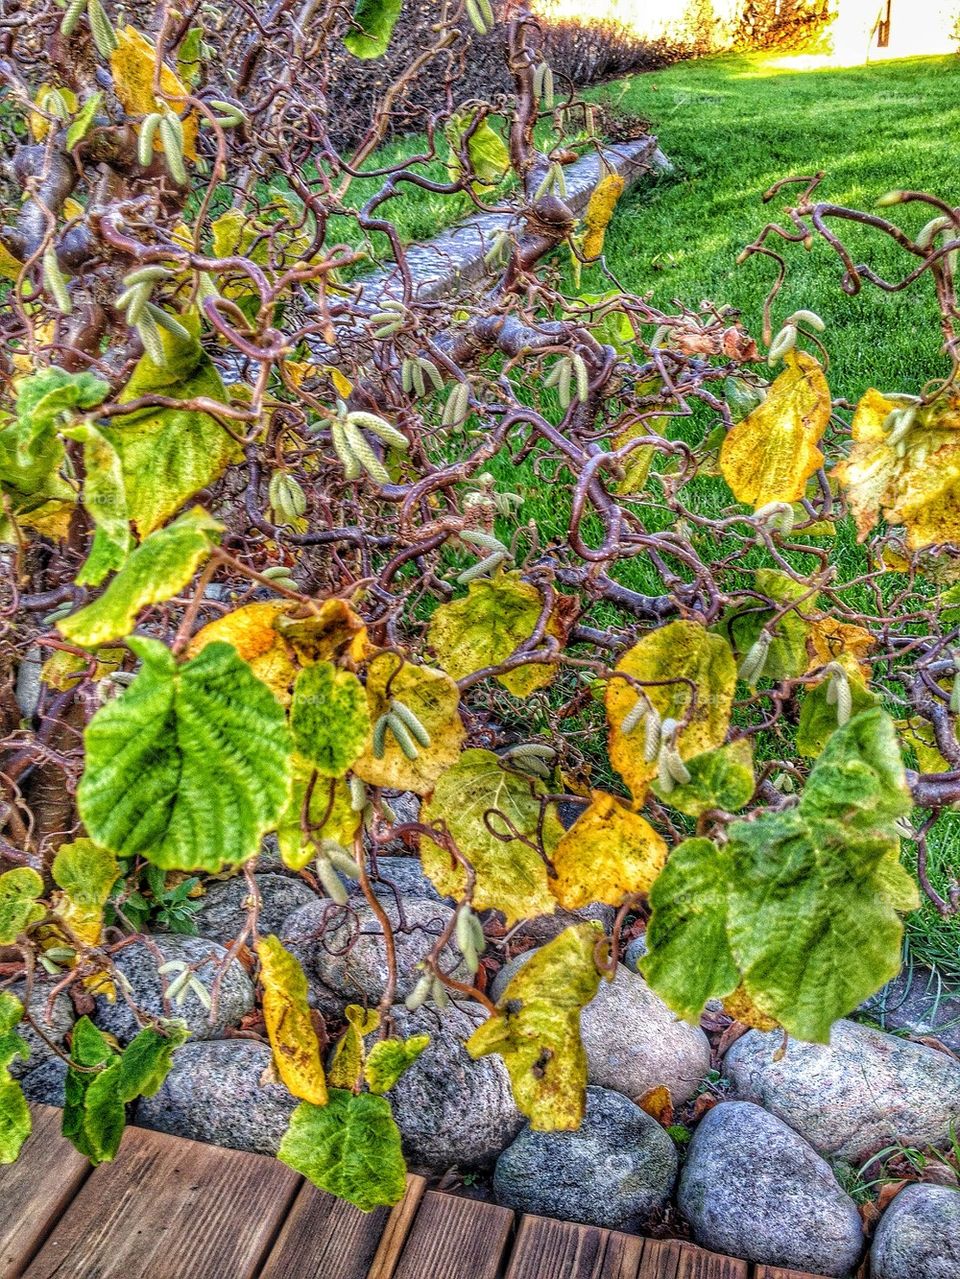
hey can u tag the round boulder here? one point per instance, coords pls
(616, 1170)
(55, 1018)
(919, 1236)
(344, 954)
(223, 915)
(138, 964)
(222, 1092)
(863, 1091)
(450, 1109)
(752, 1188)
(632, 1040)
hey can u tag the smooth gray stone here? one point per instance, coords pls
(222, 1092)
(223, 915)
(617, 1170)
(853, 1097)
(919, 1235)
(752, 1188)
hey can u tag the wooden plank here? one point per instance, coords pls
(455, 1238)
(695, 1263)
(622, 1257)
(777, 1272)
(324, 1236)
(167, 1208)
(661, 1259)
(397, 1228)
(547, 1248)
(35, 1191)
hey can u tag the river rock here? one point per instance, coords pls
(403, 875)
(46, 1082)
(221, 1092)
(752, 1188)
(55, 1020)
(919, 1236)
(223, 914)
(450, 1109)
(617, 1170)
(920, 1002)
(543, 928)
(632, 1039)
(852, 1097)
(344, 955)
(138, 964)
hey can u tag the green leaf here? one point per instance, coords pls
(80, 125)
(787, 655)
(486, 150)
(160, 567)
(169, 454)
(818, 718)
(94, 1113)
(721, 779)
(15, 1121)
(190, 766)
(86, 873)
(329, 718)
(105, 500)
(389, 1058)
(375, 20)
(688, 959)
(19, 908)
(350, 1147)
(189, 57)
(331, 816)
(494, 816)
(536, 1029)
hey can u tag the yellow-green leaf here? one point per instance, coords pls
(486, 627)
(608, 853)
(600, 209)
(132, 65)
(160, 567)
(536, 1029)
(19, 908)
(15, 1121)
(346, 1066)
(86, 873)
(329, 718)
(331, 816)
(667, 662)
(389, 1058)
(494, 816)
(770, 455)
(434, 699)
(296, 1048)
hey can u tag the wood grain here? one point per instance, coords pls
(170, 1209)
(35, 1191)
(695, 1263)
(454, 1238)
(622, 1256)
(547, 1247)
(397, 1229)
(661, 1259)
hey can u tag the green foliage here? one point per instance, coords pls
(329, 718)
(719, 779)
(162, 565)
(19, 908)
(15, 1122)
(350, 1147)
(389, 1058)
(102, 1081)
(190, 766)
(374, 22)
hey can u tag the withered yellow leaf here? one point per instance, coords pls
(349, 1055)
(658, 1104)
(132, 65)
(866, 475)
(743, 1009)
(252, 632)
(296, 1048)
(829, 640)
(434, 699)
(494, 816)
(689, 676)
(536, 1029)
(331, 816)
(486, 627)
(599, 212)
(770, 455)
(608, 852)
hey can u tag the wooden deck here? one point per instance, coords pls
(173, 1209)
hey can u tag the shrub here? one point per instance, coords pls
(267, 562)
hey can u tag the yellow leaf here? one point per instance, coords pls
(64, 669)
(341, 383)
(321, 636)
(349, 1054)
(829, 640)
(10, 269)
(599, 212)
(252, 632)
(486, 627)
(741, 1008)
(770, 455)
(636, 468)
(296, 1048)
(434, 699)
(132, 65)
(918, 734)
(865, 476)
(607, 853)
(658, 1104)
(667, 662)
(536, 1029)
(493, 815)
